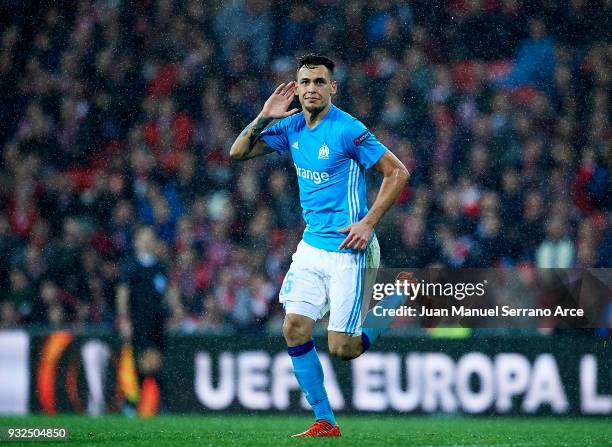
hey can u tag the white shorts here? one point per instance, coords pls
(319, 281)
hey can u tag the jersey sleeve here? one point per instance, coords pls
(362, 145)
(275, 136)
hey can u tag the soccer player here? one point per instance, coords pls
(331, 151)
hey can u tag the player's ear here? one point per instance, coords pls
(334, 87)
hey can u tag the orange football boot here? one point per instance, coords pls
(320, 428)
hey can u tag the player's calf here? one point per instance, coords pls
(344, 346)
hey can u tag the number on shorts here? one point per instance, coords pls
(287, 283)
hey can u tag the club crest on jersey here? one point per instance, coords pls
(295, 145)
(324, 152)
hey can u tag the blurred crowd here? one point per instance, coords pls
(121, 113)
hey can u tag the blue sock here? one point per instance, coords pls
(369, 335)
(309, 373)
(365, 339)
(373, 326)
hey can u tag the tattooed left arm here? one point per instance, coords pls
(248, 144)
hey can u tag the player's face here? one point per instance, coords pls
(315, 87)
(145, 241)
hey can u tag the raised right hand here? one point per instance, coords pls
(278, 102)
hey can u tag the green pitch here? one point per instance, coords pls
(273, 431)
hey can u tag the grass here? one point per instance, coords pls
(363, 430)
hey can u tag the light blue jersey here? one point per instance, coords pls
(330, 162)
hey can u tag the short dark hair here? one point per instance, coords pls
(311, 60)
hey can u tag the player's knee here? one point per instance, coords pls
(149, 361)
(295, 332)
